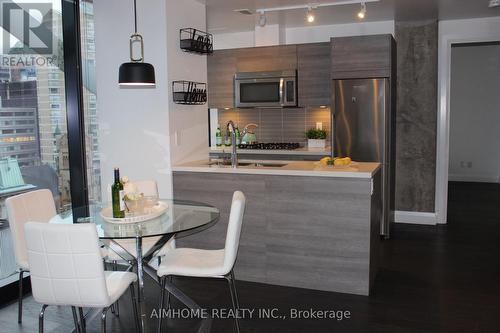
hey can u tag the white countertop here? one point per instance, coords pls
(299, 151)
(292, 168)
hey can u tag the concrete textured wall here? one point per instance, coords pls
(416, 115)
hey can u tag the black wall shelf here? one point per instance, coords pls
(189, 92)
(196, 41)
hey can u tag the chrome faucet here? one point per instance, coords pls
(234, 154)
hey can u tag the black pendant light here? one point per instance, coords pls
(136, 73)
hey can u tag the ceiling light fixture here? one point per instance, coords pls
(310, 15)
(362, 12)
(262, 18)
(136, 72)
(310, 7)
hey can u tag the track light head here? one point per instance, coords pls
(362, 12)
(262, 18)
(310, 15)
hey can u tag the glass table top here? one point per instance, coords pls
(180, 216)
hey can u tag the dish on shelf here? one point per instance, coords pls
(157, 210)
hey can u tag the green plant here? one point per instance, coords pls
(314, 133)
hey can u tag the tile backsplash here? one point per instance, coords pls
(279, 125)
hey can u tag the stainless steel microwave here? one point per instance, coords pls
(265, 89)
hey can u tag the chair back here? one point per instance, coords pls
(234, 230)
(31, 206)
(66, 266)
(148, 187)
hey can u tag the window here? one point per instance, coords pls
(90, 99)
(53, 76)
(29, 145)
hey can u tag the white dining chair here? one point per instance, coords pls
(208, 263)
(66, 270)
(30, 206)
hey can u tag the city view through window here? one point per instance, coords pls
(33, 127)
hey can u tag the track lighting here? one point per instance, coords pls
(311, 7)
(362, 12)
(262, 19)
(310, 15)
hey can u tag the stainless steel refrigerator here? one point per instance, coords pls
(363, 126)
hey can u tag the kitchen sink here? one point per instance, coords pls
(249, 164)
(228, 163)
(269, 165)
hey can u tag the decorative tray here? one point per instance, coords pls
(157, 210)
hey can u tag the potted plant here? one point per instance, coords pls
(316, 138)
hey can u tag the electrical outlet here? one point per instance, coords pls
(469, 164)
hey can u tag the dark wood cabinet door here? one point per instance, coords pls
(361, 56)
(268, 58)
(313, 64)
(221, 66)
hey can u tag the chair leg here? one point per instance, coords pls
(234, 300)
(168, 293)
(116, 305)
(40, 318)
(20, 299)
(75, 320)
(234, 288)
(103, 320)
(163, 281)
(134, 307)
(82, 320)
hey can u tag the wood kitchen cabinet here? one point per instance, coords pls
(221, 66)
(314, 80)
(362, 56)
(267, 58)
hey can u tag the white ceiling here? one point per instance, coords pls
(221, 17)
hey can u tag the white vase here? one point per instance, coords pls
(316, 143)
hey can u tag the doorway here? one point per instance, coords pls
(474, 113)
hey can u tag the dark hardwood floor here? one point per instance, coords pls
(432, 279)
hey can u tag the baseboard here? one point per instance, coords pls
(415, 217)
(473, 178)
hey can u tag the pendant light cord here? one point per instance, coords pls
(135, 16)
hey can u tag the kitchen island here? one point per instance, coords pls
(306, 225)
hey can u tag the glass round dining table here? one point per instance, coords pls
(180, 217)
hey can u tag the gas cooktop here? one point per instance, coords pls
(271, 146)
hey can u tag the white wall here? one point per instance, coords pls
(234, 40)
(141, 130)
(188, 123)
(321, 33)
(475, 114)
(133, 123)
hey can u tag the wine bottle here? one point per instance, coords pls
(117, 195)
(218, 137)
